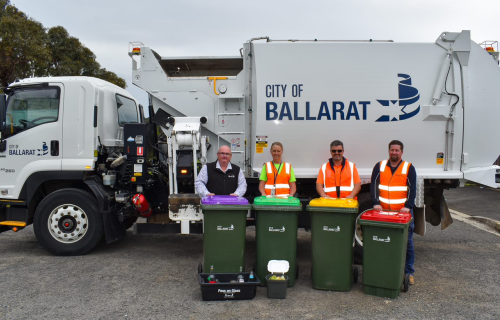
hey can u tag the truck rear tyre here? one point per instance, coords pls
(67, 222)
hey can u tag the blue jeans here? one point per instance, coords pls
(410, 253)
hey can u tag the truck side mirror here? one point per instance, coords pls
(2, 113)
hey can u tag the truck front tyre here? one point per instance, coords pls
(67, 222)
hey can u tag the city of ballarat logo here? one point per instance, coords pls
(14, 150)
(408, 95)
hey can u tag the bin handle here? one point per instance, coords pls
(356, 224)
(355, 235)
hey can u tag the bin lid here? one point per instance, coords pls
(334, 203)
(386, 216)
(278, 266)
(224, 200)
(276, 201)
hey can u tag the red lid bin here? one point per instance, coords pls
(387, 216)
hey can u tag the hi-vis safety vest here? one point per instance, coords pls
(282, 178)
(393, 189)
(346, 180)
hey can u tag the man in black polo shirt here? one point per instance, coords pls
(221, 177)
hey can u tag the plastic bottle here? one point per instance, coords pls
(251, 277)
(211, 277)
(240, 276)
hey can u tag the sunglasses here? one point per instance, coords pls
(336, 151)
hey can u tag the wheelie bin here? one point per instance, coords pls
(332, 235)
(276, 222)
(385, 236)
(224, 228)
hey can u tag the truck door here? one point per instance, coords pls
(33, 133)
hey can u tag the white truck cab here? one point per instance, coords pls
(52, 132)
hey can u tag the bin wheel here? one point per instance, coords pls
(200, 267)
(297, 271)
(355, 274)
(406, 283)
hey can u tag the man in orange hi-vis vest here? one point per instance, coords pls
(338, 178)
(393, 187)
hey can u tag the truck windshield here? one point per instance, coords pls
(127, 110)
(31, 107)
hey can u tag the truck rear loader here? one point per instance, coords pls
(79, 161)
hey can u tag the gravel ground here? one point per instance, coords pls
(154, 277)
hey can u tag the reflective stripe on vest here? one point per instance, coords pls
(269, 166)
(393, 201)
(342, 188)
(282, 179)
(393, 189)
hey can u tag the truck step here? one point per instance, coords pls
(13, 223)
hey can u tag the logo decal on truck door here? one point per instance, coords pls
(408, 95)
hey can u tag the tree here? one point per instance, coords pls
(69, 56)
(23, 52)
(111, 77)
(27, 49)
(3, 4)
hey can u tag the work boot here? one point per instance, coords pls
(412, 280)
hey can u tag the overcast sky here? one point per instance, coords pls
(219, 28)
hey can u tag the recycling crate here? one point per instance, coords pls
(332, 237)
(224, 228)
(385, 237)
(227, 287)
(276, 223)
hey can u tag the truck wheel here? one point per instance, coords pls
(67, 222)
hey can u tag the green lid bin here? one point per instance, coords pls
(332, 235)
(224, 233)
(385, 237)
(276, 223)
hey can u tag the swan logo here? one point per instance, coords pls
(408, 96)
(44, 150)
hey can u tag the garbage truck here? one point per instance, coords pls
(79, 160)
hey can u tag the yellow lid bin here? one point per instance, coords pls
(347, 205)
(333, 222)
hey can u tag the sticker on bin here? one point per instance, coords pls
(278, 266)
(386, 216)
(334, 203)
(327, 228)
(273, 229)
(376, 238)
(224, 200)
(221, 228)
